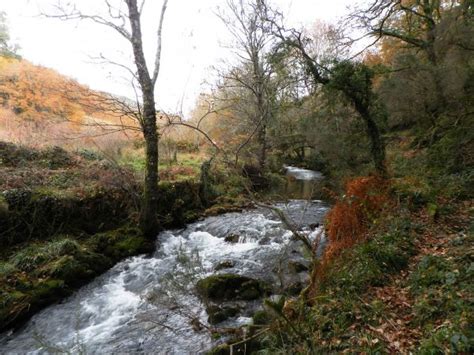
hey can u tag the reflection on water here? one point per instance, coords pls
(302, 184)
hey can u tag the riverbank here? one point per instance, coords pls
(397, 276)
(205, 278)
(66, 218)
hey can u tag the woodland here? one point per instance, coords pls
(379, 107)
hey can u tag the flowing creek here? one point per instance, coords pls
(147, 304)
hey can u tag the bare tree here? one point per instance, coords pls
(128, 25)
(414, 23)
(252, 78)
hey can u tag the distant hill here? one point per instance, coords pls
(39, 106)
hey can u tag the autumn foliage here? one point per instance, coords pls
(349, 219)
(37, 93)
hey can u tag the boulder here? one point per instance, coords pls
(217, 314)
(232, 238)
(296, 266)
(229, 287)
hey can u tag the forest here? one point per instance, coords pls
(317, 199)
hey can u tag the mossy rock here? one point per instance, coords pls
(74, 270)
(121, 243)
(221, 209)
(226, 287)
(218, 314)
(48, 291)
(222, 349)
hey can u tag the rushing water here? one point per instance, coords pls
(148, 305)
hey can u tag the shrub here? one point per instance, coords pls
(352, 214)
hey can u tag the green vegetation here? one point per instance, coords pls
(230, 287)
(392, 129)
(44, 272)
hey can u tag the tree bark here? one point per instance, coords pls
(262, 138)
(377, 146)
(148, 218)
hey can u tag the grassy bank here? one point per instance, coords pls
(397, 276)
(66, 217)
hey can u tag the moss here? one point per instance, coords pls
(218, 314)
(261, 317)
(222, 349)
(120, 243)
(130, 245)
(230, 287)
(48, 291)
(178, 201)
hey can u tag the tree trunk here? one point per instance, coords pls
(377, 146)
(262, 139)
(148, 217)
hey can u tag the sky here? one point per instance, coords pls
(194, 41)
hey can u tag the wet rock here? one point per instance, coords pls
(226, 264)
(217, 314)
(232, 238)
(196, 324)
(294, 289)
(264, 241)
(296, 266)
(226, 287)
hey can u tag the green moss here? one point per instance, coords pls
(261, 317)
(131, 245)
(48, 290)
(222, 349)
(230, 287)
(7, 269)
(120, 243)
(218, 314)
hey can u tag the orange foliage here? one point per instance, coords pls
(39, 107)
(37, 93)
(349, 219)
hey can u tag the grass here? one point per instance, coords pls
(187, 165)
(39, 273)
(36, 254)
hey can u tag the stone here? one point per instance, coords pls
(226, 264)
(232, 238)
(228, 287)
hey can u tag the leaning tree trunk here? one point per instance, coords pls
(377, 146)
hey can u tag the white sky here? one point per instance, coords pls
(193, 42)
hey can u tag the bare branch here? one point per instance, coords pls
(156, 70)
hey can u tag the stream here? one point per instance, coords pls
(147, 304)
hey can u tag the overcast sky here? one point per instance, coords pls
(194, 40)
